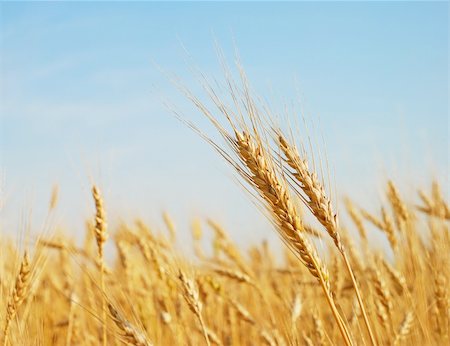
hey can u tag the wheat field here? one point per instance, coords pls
(56, 291)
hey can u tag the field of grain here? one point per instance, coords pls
(58, 292)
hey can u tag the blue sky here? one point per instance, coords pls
(81, 100)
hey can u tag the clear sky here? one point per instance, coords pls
(81, 99)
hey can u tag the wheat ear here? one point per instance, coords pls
(255, 165)
(130, 333)
(436, 205)
(319, 204)
(399, 207)
(384, 299)
(275, 193)
(101, 236)
(191, 295)
(384, 225)
(18, 295)
(405, 328)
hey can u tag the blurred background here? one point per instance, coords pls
(82, 101)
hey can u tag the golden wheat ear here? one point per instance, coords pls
(129, 333)
(312, 192)
(101, 236)
(191, 296)
(250, 157)
(19, 294)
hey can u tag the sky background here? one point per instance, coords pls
(81, 101)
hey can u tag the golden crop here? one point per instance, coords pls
(63, 293)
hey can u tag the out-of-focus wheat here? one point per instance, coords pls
(274, 305)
